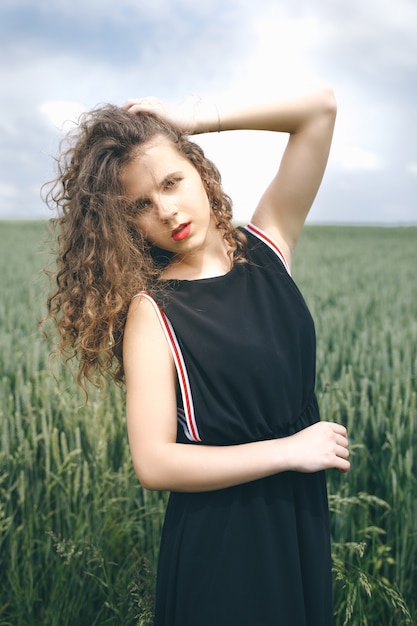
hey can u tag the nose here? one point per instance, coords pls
(166, 209)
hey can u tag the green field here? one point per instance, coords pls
(79, 537)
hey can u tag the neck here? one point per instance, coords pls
(213, 260)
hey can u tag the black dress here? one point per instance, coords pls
(257, 554)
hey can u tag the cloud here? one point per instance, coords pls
(62, 114)
(412, 169)
(356, 158)
(279, 60)
(59, 58)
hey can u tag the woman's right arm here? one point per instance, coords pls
(161, 463)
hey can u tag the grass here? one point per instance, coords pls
(79, 536)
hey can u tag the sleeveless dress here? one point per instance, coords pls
(257, 554)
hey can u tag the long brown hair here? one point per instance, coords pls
(102, 259)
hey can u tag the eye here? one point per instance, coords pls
(142, 203)
(170, 183)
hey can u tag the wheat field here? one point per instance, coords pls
(79, 536)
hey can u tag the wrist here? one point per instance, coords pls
(208, 119)
(282, 457)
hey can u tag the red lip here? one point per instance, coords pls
(181, 232)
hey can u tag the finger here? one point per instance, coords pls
(133, 105)
(342, 463)
(127, 104)
(342, 441)
(340, 429)
(139, 108)
(342, 452)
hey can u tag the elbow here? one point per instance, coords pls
(323, 114)
(319, 114)
(329, 103)
(150, 476)
(151, 485)
(148, 479)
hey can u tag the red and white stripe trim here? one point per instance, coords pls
(269, 242)
(181, 368)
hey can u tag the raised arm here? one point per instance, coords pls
(309, 121)
(161, 463)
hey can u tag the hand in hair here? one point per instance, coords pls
(192, 116)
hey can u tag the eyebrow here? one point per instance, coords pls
(170, 175)
(164, 180)
(161, 184)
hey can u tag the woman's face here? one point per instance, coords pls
(173, 208)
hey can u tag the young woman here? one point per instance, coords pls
(215, 344)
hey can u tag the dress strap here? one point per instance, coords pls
(261, 234)
(191, 429)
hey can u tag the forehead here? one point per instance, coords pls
(150, 164)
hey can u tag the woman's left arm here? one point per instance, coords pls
(309, 120)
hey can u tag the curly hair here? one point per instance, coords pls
(102, 259)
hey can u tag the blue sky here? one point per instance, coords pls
(59, 58)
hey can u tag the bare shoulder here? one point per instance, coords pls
(140, 304)
(143, 335)
(142, 315)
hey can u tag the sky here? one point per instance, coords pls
(61, 57)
